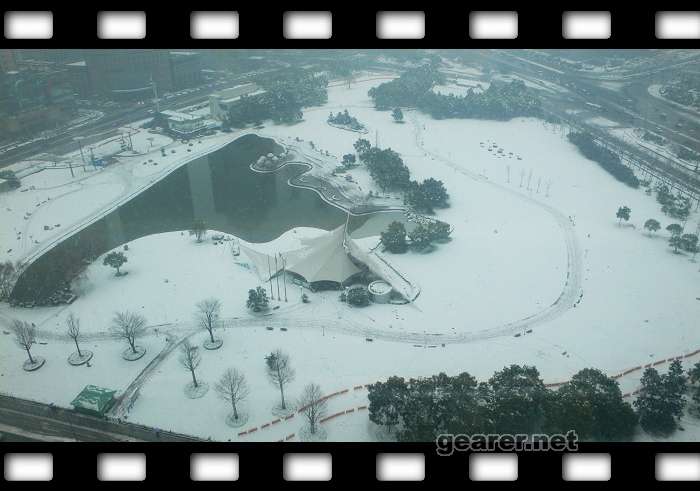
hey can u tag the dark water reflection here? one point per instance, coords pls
(219, 188)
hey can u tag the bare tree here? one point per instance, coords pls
(279, 371)
(128, 325)
(73, 330)
(7, 277)
(25, 336)
(313, 406)
(208, 314)
(232, 387)
(190, 359)
(198, 229)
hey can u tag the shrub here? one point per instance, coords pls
(358, 297)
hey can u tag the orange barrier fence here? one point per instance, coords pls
(366, 386)
(635, 369)
(335, 415)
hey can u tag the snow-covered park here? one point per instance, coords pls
(538, 272)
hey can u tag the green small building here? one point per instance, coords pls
(94, 400)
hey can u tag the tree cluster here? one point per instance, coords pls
(386, 168)
(674, 206)
(283, 100)
(405, 90)
(344, 119)
(660, 402)
(422, 237)
(604, 157)
(694, 381)
(394, 238)
(424, 197)
(501, 101)
(349, 161)
(513, 401)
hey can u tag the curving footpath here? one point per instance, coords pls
(571, 290)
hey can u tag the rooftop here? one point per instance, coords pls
(179, 116)
(234, 93)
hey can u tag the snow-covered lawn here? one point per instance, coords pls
(53, 196)
(59, 382)
(537, 258)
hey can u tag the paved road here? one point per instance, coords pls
(114, 119)
(23, 420)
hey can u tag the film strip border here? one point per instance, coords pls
(347, 26)
(375, 466)
(262, 26)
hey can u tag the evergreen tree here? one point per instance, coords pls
(416, 198)
(387, 401)
(689, 242)
(257, 299)
(677, 384)
(387, 168)
(694, 379)
(467, 408)
(439, 231)
(623, 213)
(362, 146)
(652, 225)
(349, 159)
(656, 412)
(358, 297)
(607, 159)
(676, 241)
(591, 404)
(397, 114)
(116, 260)
(424, 417)
(435, 192)
(675, 229)
(421, 238)
(426, 196)
(431, 406)
(394, 238)
(519, 398)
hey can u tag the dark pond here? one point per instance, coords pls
(219, 188)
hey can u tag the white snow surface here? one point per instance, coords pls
(550, 265)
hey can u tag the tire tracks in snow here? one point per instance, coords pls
(572, 284)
